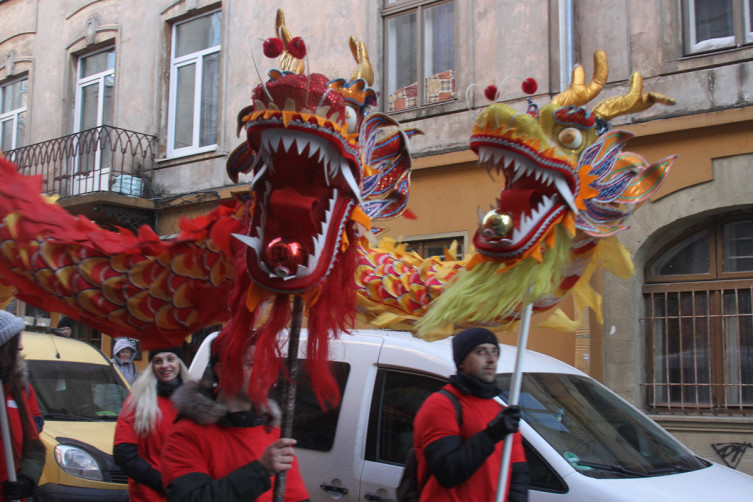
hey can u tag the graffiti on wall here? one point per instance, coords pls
(731, 453)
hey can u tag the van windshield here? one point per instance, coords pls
(77, 391)
(597, 433)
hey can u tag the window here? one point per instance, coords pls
(420, 53)
(194, 85)
(717, 24)
(699, 321)
(69, 390)
(95, 93)
(600, 435)
(313, 427)
(13, 114)
(427, 248)
(397, 397)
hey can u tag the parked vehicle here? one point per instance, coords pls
(583, 442)
(80, 396)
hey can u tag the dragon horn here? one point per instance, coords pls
(578, 93)
(634, 101)
(363, 69)
(287, 61)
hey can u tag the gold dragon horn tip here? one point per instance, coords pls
(363, 67)
(279, 19)
(288, 62)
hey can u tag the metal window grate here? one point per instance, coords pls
(700, 346)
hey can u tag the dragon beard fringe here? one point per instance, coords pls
(332, 312)
(488, 293)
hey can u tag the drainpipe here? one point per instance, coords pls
(566, 42)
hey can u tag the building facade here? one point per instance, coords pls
(128, 110)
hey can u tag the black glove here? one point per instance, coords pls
(506, 422)
(16, 490)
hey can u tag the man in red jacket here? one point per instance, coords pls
(459, 454)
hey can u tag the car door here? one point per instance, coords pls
(331, 443)
(398, 394)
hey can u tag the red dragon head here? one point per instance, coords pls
(321, 172)
(302, 148)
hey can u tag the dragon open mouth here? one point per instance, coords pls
(305, 185)
(538, 190)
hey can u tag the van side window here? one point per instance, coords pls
(397, 397)
(313, 428)
(543, 477)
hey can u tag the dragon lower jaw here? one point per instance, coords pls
(278, 269)
(538, 193)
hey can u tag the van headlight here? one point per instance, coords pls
(77, 462)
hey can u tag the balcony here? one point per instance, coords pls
(104, 173)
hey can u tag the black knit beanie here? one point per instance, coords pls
(65, 322)
(467, 340)
(175, 350)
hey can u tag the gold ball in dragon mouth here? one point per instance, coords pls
(496, 224)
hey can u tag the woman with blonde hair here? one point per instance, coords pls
(147, 416)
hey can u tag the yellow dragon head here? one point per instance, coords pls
(562, 166)
(568, 185)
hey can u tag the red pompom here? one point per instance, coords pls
(297, 48)
(409, 214)
(529, 86)
(491, 93)
(272, 47)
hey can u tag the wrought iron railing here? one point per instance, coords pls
(102, 159)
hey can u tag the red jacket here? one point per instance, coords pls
(21, 459)
(149, 446)
(218, 460)
(437, 419)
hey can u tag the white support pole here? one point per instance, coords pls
(515, 384)
(7, 446)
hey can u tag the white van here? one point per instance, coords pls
(583, 442)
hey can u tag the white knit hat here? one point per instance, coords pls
(10, 326)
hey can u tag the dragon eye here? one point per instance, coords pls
(570, 138)
(351, 119)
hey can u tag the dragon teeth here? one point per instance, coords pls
(252, 242)
(564, 191)
(258, 175)
(350, 179)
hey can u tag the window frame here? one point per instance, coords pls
(13, 115)
(99, 78)
(85, 179)
(420, 243)
(376, 425)
(716, 258)
(398, 8)
(712, 290)
(742, 28)
(196, 58)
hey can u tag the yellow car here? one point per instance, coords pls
(80, 395)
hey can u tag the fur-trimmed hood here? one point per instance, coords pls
(197, 403)
(120, 344)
